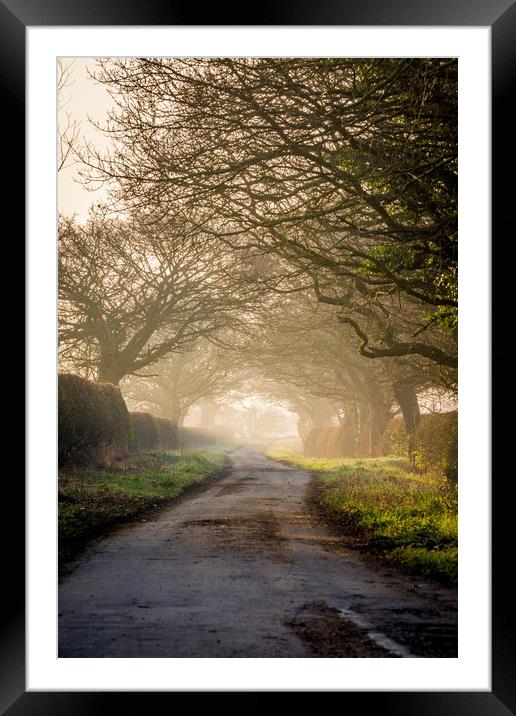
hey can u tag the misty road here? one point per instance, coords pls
(243, 569)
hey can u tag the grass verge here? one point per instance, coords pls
(91, 502)
(386, 508)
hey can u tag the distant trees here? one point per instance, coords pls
(180, 380)
(132, 292)
(311, 365)
(345, 168)
(311, 411)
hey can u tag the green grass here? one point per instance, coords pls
(92, 501)
(410, 519)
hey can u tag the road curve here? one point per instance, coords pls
(244, 570)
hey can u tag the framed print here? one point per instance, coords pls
(51, 661)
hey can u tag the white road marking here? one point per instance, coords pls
(380, 639)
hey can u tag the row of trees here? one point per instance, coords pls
(293, 218)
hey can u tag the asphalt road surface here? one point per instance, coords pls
(244, 569)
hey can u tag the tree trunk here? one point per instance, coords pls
(378, 419)
(304, 425)
(172, 409)
(407, 399)
(363, 440)
(110, 371)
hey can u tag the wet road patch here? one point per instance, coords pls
(329, 634)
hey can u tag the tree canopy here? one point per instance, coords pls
(346, 168)
(301, 212)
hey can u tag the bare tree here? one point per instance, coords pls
(68, 128)
(347, 169)
(180, 380)
(132, 292)
(307, 363)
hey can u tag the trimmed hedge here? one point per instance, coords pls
(224, 433)
(146, 433)
(192, 438)
(154, 433)
(94, 425)
(340, 442)
(394, 440)
(435, 443)
(314, 443)
(167, 433)
(93, 421)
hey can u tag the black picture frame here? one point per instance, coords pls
(500, 16)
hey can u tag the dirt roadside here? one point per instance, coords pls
(68, 559)
(244, 569)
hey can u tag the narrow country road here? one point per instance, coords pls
(243, 570)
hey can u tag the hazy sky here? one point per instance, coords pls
(84, 98)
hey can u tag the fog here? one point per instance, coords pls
(250, 247)
(251, 418)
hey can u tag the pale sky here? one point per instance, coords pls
(83, 98)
